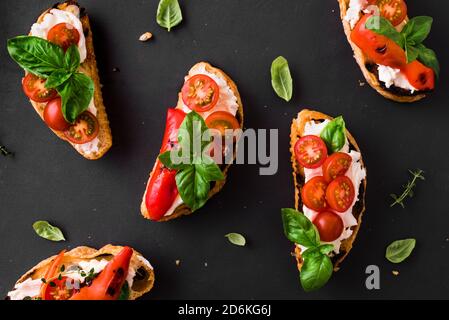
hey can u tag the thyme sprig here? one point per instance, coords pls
(408, 188)
(4, 151)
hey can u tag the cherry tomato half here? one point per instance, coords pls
(64, 35)
(336, 165)
(313, 194)
(57, 289)
(84, 130)
(329, 225)
(393, 10)
(340, 194)
(34, 88)
(200, 93)
(221, 121)
(310, 151)
(53, 116)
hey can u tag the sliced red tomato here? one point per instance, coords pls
(64, 35)
(310, 151)
(200, 93)
(34, 88)
(329, 225)
(381, 49)
(313, 194)
(222, 121)
(393, 10)
(85, 129)
(336, 165)
(53, 116)
(340, 194)
(420, 76)
(57, 289)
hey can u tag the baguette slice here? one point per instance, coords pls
(369, 69)
(297, 131)
(140, 286)
(218, 185)
(88, 67)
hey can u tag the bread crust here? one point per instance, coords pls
(218, 185)
(88, 67)
(297, 131)
(363, 61)
(139, 287)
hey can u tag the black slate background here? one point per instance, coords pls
(96, 203)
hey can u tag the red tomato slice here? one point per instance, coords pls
(222, 121)
(310, 151)
(340, 194)
(34, 88)
(57, 290)
(64, 35)
(420, 76)
(53, 116)
(313, 194)
(336, 165)
(200, 93)
(329, 225)
(393, 10)
(84, 130)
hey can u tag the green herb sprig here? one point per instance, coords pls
(418, 174)
(4, 151)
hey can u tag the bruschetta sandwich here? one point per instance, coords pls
(83, 273)
(61, 78)
(208, 99)
(330, 182)
(388, 46)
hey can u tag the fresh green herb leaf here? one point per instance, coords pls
(52, 284)
(384, 27)
(168, 14)
(27, 298)
(62, 269)
(299, 229)
(400, 250)
(124, 292)
(417, 29)
(334, 135)
(72, 59)
(76, 94)
(43, 280)
(316, 271)
(281, 79)
(60, 277)
(82, 273)
(47, 231)
(236, 238)
(4, 151)
(411, 52)
(57, 78)
(429, 58)
(418, 174)
(36, 55)
(326, 248)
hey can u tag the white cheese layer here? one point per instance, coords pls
(390, 76)
(354, 12)
(356, 173)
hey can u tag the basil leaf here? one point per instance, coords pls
(400, 250)
(36, 55)
(210, 171)
(281, 79)
(326, 248)
(411, 53)
(299, 229)
(72, 59)
(76, 94)
(236, 238)
(417, 29)
(47, 231)
(168, 14)
(316, 271)
(124, 292)
(193, 187)
(192, 130)
(382, 26)
(429, 58)
(166, 160)
(334, 135)
(57, 78)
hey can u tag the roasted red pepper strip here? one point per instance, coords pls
(162, 189)
(108, 284)
(52, 271)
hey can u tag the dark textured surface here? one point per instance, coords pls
(96, 203)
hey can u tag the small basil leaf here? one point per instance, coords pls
(411, 53)
(76, 94)
(382, 26)
(168, 14)
(400, 250)
(36, 55)
(193, 137)
(193, 187)
(57, 78)
(72, 59)
(417, 29)
(299, 229)
(326, 248)
(281, 79)
(236, 238)
(47, 231)
(210, 171)
(316, 271)
(166, 159)
(334, 135)
(429, 58)
(124, 292)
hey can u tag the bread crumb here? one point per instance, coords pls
(395, 273)
(146, 36)
(205, 264)
(115, 69)
(361, 83)
(178, 262)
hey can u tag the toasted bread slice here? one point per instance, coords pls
(297, 131)
(218, 185)
(141, 285)
(88, 67)
(369, 69)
